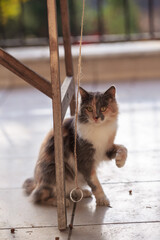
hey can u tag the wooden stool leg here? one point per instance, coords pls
(57, 113)
(67, 45)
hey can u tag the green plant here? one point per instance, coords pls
(114, 18)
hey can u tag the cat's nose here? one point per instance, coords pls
(96, 117)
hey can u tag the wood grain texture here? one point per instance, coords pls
(66, 37)
(25, 73)
(40, 83)
(53, 90)
(57, 113)
(67, 47)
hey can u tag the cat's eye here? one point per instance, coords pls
(89, 109)
(103, 109)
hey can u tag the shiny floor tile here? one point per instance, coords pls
(17, 211)
(139, 166)
(46, 233)
(132, 231)
(143, 205)
(26, 117)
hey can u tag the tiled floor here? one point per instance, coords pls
(25, 118)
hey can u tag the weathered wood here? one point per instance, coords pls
(67, 92)
(54, 91)
(67, 46)
(25, 73)
(31, 77)
(57, 113)
(66, 37)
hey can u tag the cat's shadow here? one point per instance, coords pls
(88, 211)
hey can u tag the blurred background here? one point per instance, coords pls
(24, 22)
(121, 39)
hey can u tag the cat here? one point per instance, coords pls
(96, 131)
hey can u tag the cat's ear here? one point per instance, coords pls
(111, 92)
(84, 94)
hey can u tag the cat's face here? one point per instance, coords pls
(97, 107)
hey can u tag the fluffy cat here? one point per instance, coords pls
(97, 127)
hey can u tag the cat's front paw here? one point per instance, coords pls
(103, 201)
(87, 193)
(121, 156)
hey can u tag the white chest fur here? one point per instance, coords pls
(101, 136)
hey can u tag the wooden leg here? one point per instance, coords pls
(67, 46)
(25, 73)
(67, 94)
(72, 105)
(57, 113)
(37, 81)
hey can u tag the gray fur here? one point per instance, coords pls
(44, 181)
(111, 153)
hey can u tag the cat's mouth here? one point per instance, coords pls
(97, 121)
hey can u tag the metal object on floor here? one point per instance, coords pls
(61, 96)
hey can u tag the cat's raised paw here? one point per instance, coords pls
(104, 201)
(121, 156)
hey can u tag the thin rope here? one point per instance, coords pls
(77, 103)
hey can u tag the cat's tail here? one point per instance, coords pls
(43, 194)
(29, 185)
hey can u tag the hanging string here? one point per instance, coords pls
(76, 113)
